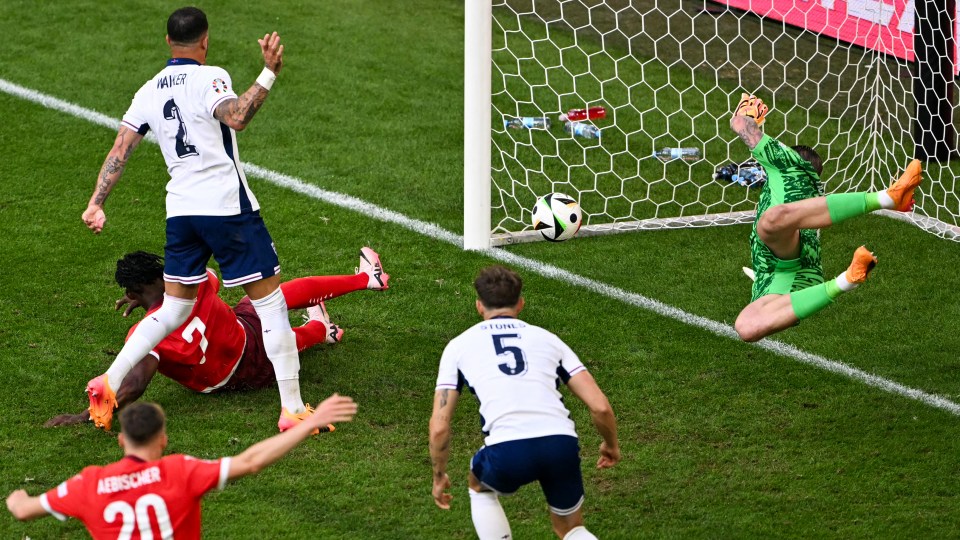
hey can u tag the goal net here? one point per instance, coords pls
(668, 74)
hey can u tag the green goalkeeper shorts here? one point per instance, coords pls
(778, 276)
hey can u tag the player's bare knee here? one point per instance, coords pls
(775, 220)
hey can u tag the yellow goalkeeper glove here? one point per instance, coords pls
(753, 107)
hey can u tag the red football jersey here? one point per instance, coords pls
(133, 498)
(203, 353)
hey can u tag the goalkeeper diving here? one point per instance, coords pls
(785, 240)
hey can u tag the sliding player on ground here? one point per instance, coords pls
(220, 348)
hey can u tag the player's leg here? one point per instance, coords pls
(310, 291)
(279, 340)
(499, 469)
(304, 292)
(775, 312)
(558, 458)
(184, 269)
(318, 329)
(488, 516)
(571, 527)
(243, 247)
(778, 224)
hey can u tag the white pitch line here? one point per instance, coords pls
(433, 231)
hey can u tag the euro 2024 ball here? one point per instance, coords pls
(557, 217)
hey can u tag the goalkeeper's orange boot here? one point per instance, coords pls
(902, 190)
(863, 262)
(289, 419)
(103, 400)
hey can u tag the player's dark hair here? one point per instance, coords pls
(498, 287)
(138, 269)
(810, 155)
(140, 422)
(186, 26)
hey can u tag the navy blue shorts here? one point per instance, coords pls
(553, 461)
(240, 244)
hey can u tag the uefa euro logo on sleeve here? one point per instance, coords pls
(219, 85)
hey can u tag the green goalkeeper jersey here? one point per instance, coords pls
(790, 178)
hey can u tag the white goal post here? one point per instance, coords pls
(667, 73)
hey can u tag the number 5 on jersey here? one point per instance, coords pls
(519, 364)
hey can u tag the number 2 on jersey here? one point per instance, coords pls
(519, 364)
(172, 112)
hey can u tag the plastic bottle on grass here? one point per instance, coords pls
(582, 129)
(526, 122)
(670, 154)
(576, 115)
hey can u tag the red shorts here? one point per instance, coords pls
(255, 370)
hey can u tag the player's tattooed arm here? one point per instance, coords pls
(237, 113)
(747, 129)
(113, 166)
(110, 173)
(444, 404)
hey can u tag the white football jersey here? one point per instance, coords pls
(206, 178)
(515, 369)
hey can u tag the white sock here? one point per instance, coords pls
(281, 345)
(845, 285)
(579, 533)
(885, 200)
(488, 517)
(151, 331)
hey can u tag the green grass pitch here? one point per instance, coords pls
(720, 439)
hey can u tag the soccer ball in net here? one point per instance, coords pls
(557, 217)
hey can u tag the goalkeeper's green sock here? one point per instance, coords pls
(806, 302)
(843, 206)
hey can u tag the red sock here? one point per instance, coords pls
(309, 291)
(310, 334)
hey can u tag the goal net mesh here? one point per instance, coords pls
(669, 73)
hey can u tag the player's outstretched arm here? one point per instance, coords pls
(585, 387)
(444, 405)
(24, 507)
(124, 145)
(237, 113)
(335, 408)
(133, 386)
(747, 118)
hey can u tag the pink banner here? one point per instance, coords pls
(882, 25)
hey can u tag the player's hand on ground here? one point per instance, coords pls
(272, 52)
(752, 107)
(129, 302)
(68, 419)
(608, 456)
(440, 494)
(15, 498)
(94, 218)
(335, 408)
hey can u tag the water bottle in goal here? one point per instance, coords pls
(670, 154)
(526, 122)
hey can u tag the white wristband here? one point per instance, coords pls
(266, 78)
